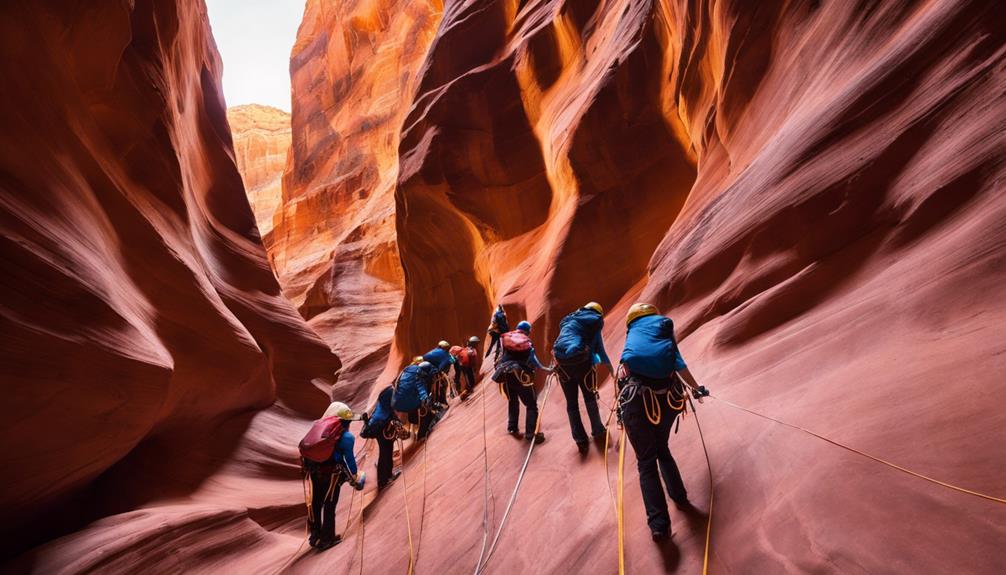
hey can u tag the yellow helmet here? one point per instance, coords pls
(340, 410)
(595, 306)
(443, 344)
(417, 360)
(639, 310)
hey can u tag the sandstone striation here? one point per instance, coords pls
(261, 137)
(353, 71)
(812, 190)
(141, 324)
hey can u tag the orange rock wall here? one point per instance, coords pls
(137, 308)
(334, 248)
(261, 140)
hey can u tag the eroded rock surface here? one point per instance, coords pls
(811, 189)
(261, 140)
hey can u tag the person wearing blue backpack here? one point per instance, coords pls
(412, 398)
(382, 426)
(578, 349)
(441, 359)
(651, 396)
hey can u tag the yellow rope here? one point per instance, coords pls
(867, 455)
(405, 496)
(621, 503)
(709, 468)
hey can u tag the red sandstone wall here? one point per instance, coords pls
(138, 307)
(261, 137)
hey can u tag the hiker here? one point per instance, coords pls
(440, 358)
(464, 365)
(515, 374)
(328, 461)
(497, 326)
(383, 426)
(411, 398)
(578, 349)
(650, 399)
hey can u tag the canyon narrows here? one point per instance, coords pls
(812, 190)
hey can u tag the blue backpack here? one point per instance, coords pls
(576, 332)
(411, 390)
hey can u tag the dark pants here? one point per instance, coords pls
(469, 375)
(575, 379)
(423, 421)
(654, 459)
(326, 482)
(524, 394)
(439, 391)
(494, 344)
(385, 455)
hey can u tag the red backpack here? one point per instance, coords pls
(319, 443)
(462, 355)
(516, 342)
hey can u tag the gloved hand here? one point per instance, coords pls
(365, 417)
(360, 480)
(700, 392)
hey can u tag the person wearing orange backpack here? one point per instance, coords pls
(465, 359)
(328, 461)
(515, 374)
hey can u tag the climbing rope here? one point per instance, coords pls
(712, 492)
(485, 480)
(621, 502)
(405, 497)
(867, 455)
(520, 477)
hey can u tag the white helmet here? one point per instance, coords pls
(340, 410)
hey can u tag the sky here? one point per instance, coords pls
(255, 38)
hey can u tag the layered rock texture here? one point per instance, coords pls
(261, 137)
(140, 324)
(812, 190)
(353, 72)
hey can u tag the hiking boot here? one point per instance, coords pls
(537, 437)
(513, 431)
(658, 535)
(328, 543)
(583, 447)
(313, 540)
(395, 475)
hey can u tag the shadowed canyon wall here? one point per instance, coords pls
(139, 314)
(812, 190)
(261, 141)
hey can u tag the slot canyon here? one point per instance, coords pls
(812, 189)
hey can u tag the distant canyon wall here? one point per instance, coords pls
(261, 141)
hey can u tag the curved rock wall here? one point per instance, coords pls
(137, 304)
(261, 141)
(334, 248)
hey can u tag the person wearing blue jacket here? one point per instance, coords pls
(382, 427)
(441, 359)
(411, 397)
(650, 399)
(497, 327)
(578, 349)
(327, 479)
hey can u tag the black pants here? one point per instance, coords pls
(385, 455)
(654, 459)
(325, 485)
(469, 376)
(516, 392)
(575, 379)
(494, 344)
(423, 421)
(439, 391)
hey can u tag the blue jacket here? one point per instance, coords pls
(412, 389)
(597, 350)
(651, 349)
(382, 410)
(440, 358)
(343, 452)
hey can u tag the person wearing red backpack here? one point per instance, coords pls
(328, 461)
(515, 374)
(465, 359)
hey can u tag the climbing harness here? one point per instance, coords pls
(480, 568)
(867, 455)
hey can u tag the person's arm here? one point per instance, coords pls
(423, 393)
(346, 445)
(598, 347)
(686, 376)
(537, 364)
